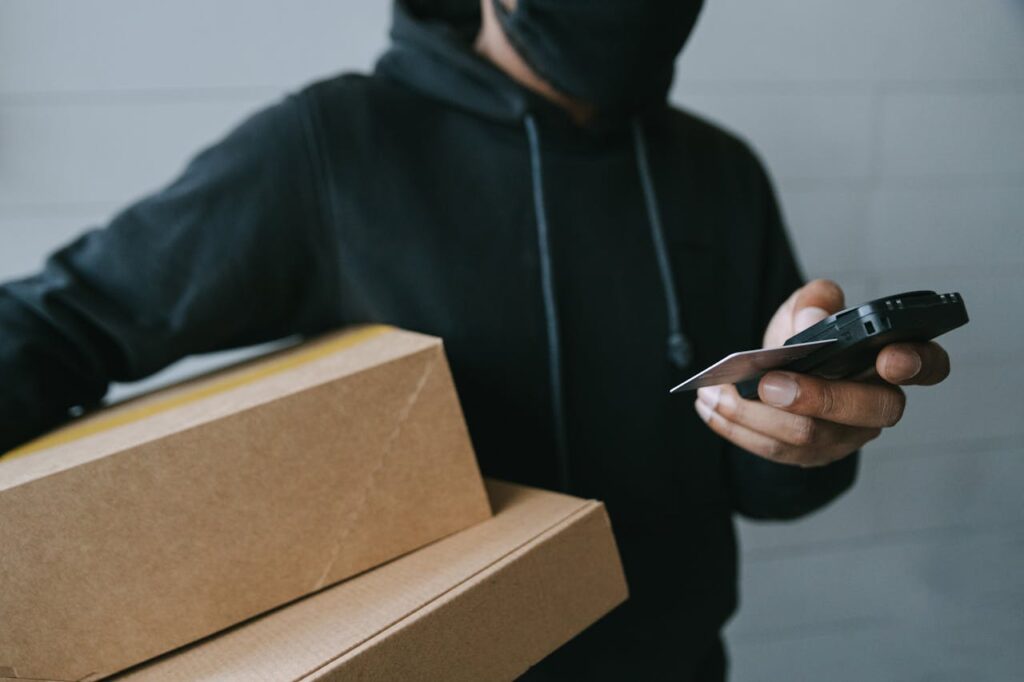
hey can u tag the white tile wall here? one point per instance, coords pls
(109, 152)
(57, 47)
(895, 134)
(964, 227)
(825, 42)
(949, 41)
(811, 137)
(827, 226)
(28, 236)
(896, 498)
(841, 582)
(943, 605)
(785, 40)
(977, 135)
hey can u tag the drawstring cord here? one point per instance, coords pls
(680, 352)
(550, 309)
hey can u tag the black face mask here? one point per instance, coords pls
(617, 55)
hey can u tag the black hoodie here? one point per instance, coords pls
(437, 195)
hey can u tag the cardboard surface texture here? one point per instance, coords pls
(481, 605)
(161, 521)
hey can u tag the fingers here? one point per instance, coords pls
(810, 303)
(921, 364)
(815, 301)
(777, 435)
(785, 427)
(737, 434)
(846, 402)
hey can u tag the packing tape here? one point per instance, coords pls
(99, 424)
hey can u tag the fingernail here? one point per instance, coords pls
(903, 366)
(778, 389)
(703, 410)
(805, 317)
(709, 395)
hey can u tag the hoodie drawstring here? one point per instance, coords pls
(680, 353)
(547, 279)
(678, 346)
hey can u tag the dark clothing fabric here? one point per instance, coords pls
(408, 197)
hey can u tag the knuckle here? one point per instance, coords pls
(724, 427)
(805, 431)
(776, 451)
(727, 407)
(827, 400)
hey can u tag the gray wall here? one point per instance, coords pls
(895, 132)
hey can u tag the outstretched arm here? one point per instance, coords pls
(234, 252)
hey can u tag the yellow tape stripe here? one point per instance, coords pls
(129, 416)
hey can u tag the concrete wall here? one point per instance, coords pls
(895, 132)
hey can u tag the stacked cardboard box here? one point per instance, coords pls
(156, 523)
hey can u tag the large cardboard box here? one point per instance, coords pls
(482, 605)
(158, 522)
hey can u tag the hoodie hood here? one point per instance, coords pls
(432, 53)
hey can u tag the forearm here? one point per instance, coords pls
(228, 255)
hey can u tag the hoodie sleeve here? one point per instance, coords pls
(232, 253)
(763, 489)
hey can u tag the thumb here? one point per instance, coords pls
(815, 301)
(805, 317)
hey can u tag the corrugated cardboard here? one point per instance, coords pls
(481, 605)
(159, 522)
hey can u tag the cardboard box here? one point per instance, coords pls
(481, 605)
(164, 520)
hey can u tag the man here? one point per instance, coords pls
(510, 178)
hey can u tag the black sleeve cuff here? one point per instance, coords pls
(766, 490)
